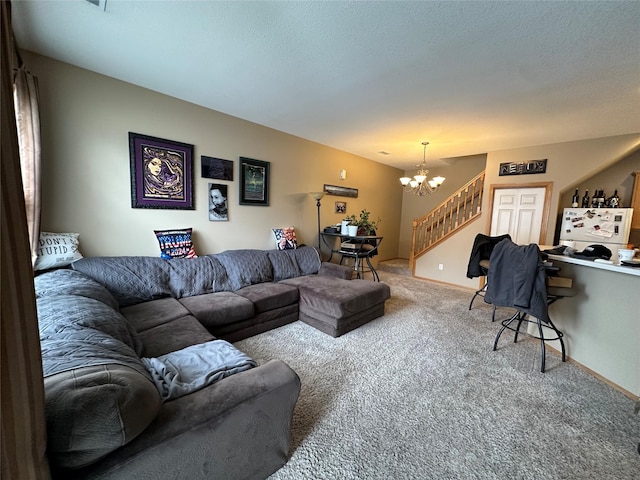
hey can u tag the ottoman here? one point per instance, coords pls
(336, 306)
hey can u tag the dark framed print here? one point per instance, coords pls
(218, 205)
(161, 173)
(341, 191)
(254, 182)
(216, 168)
(341, 207)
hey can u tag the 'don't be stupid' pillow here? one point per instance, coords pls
(57, 250)
(176, 243)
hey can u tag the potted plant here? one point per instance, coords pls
(365, 225)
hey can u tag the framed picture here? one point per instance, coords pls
(161, 173)
(341, 191)
(341, 207)
(216, 168)
(254, 182)
(218, 205)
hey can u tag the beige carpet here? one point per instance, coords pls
(419, 394)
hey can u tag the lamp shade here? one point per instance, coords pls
(316, 195)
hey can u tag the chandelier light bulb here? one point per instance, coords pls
(417, 184)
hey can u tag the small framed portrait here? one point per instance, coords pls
(161, 173)
(341, 207)
(218, 205)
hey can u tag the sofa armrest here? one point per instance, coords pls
(334, 270)
(239, 427)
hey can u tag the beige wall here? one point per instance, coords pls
(568, 165)
(86, 118)
(457, 172)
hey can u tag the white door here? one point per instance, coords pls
(518, 212)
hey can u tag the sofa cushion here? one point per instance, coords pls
(268, 296)
(246, 267)
(131, 280)
(293, 263)
(70, 282)
(91, 411)
(219, 308)
(146, 315)
(74, 327)
(174, 335)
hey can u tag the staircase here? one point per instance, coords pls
(444, 220)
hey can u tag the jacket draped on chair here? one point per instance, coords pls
(517, 279)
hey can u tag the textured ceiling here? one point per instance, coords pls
(366, 77)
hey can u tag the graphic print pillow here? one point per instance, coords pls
(175, 243)
(285, 238)
(57, 250)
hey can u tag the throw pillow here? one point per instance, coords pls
(57, 250)
(176, 243)
(285, 238)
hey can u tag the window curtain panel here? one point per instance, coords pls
(25, 98)
(23, 440)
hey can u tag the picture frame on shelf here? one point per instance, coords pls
(254, 182)
(161, 173)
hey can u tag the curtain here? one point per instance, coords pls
(25, 97)
(23, 433)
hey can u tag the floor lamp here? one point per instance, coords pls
(317, 196)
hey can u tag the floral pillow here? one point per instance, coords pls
(176, 243)
(285, 238)
(57, 250)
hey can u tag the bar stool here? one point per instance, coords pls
(518, 278)
(553, 294)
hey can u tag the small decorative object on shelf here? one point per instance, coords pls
(614, 200)
(575, 199)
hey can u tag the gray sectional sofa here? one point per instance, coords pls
(104, 320)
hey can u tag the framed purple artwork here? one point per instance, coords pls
(161, 173)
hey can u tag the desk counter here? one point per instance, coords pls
(600, 266)
(602, 322)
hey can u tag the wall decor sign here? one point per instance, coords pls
(341, 191)
(161, 173)
(341, 207)
(254, 182)
(218, 205)
(216, 168)
(523, 168)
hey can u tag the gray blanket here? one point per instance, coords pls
(185, 371)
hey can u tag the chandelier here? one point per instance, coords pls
(417, 185)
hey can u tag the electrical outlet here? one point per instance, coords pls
(440, 266)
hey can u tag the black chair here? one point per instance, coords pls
(479, 262)
(518, 278)
(361, 250)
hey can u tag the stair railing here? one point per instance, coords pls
(441, 222)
